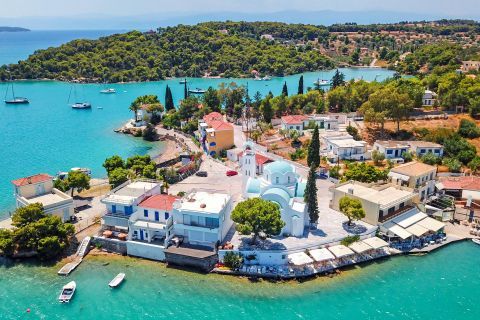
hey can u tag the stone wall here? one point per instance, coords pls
(111, 245)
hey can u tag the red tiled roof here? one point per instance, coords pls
(41, 177)
(220, 125)
(213, 116)
(259, 159)
(159, 201)
(461, 183)
(293, 119)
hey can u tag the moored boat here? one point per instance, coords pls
(322, 82)
(81, 105)
(196, 91)
(266, 78)
(117, 280)
(67, 292)
(477, 241)
(108, 91)
(17, 100)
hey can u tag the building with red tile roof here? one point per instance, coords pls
(37, 178)
(215, 134)
(460, 187)
(159, 201)
(213, 116)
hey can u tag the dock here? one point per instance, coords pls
(78, 258)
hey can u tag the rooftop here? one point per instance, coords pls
(213, 116)
(413, 169)
(49, 199)
(203, 201)
(294, 119)
(345, 142)
(37, 178)
(392, 144)
(460, 183)
(281, 167)
(424, 144)
(159, 201)
(135, 189)
(383, 196)
(220, 125)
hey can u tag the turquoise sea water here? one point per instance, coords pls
(442, 285)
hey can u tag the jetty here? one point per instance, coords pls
(78, 258)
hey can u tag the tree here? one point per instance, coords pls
(169, 99)
(378, 157)
(459, 148)
(267, 111)
(407, 156)
(351, 208)
(117, 176)
(468, 129)
(338, 79)
(78, 180)
(149, 171)
(233, 260)
(364, 172)
(188, 108)
(474, 165)
(185, 90)
(258, 216)
(150, 133)
(6, 242)
(310, 196)
(453, 164)
(211, 100)
(474, 107)
(356, 56)
(353, 132)
(255, 135)
(431, 159)
(300, 85)
(143, 100)
(313, 157)
(285, 89)
(28, 214)
(112, 163)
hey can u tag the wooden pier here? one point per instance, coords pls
(78, 258)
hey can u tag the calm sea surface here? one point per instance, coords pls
(444, 285)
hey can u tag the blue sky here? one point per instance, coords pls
(38, 8)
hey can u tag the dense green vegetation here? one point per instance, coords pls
(35, 234)
(171, 52)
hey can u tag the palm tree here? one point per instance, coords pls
(134, 107)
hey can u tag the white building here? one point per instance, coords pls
(281, 184)
(391, 149)
(301, 123)
(344, 147)
(416, 175)
(429, 98)
(203, 217)
(39, 189)
(421, 148)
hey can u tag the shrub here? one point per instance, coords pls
(431, 159)
(452, 164)
(407, 156)
(378, 157)
(233, 260)
(468, 129)
(348, 240)
(334, 172)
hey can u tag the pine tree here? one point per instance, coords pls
(300, 85)
(168, 99)
(338, 79)
(185, 91)
(285, 89)
(310, 196)
(313, 157)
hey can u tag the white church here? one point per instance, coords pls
(279, 183)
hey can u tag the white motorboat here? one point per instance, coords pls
(67, 292)
(81, 105)
(107, 91)
(196, 91)
(117, 280)
(322, 82)
(476, 240)
(266, 78)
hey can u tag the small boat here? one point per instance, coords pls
(17, 100)
(99, 107)
(183, 81)
(266, 78)
(196, 91)
(322, 82)
(67, 292)
(257, 78)
(117, 280)
(108, 91)
(81, 105)
(477, 241)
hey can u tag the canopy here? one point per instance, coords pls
(149, 225)
(360, 247)
(417, 230)
(431, 224)
(376, 243)
(398, 176)
(321, 254)
(409, 218)
(341, 251)
(397, 230)
(299, 258)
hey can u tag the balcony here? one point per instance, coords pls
(115, 220)
(395, 214)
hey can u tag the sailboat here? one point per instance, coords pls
(14, 100)
(78, 105)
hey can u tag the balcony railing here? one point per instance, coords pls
(396, 213)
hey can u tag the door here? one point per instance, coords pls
(141, 234)
(114, 208)
(157, 216)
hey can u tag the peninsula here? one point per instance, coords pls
(13, 29)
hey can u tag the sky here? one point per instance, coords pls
(39, 8)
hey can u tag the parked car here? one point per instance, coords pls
(231, 173)
(201, 174)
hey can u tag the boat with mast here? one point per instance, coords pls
(78, 105)
(14, 99)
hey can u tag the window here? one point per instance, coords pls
(128, 210)
(212, 223)
(277, 180)
(145, 213)
(422, 150)
(288, 179)
(436, 151)
(157, 216)
(380, 214)
(167, 215)
(401, 205)
(391, 210)
(389, 151)
(298, 127)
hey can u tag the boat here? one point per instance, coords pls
(15, 100)
(196, 91)
(476, 240)
(183, 81)
(108, 91)
(81, 105)
(266, 78)
(86, 171)
(322, 82)
(257, 78)
(117, 280)
(67, 292)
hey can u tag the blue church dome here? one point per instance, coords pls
(280, 167)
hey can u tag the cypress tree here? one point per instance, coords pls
(313, 156)
(338, 79)
(310, 196)
(185, 91)
(168, 99)
(300, 85)
(285, 89)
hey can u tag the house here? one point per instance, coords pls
(39, 189)
(421, 148)
(143, 115)
(293, 122)
(462, 187)
(249, 159)
(322, 122)
(391, 149)
(416, 175)
(429, 98)
(344, 147)
(468, 66)
(268, 37)
(150, 227)
(302, 122)
(123, 201)
(202, 217)
(280, 184)
(380, 202)
(215, 134)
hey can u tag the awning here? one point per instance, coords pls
(299, 258)
(439, 186)
(417, 230)
(321, 254)
(149, 225)
(397, 230)
(398, 176)
(431, 224)
(376, 243)
(360, 247)
(409, 218)
(341, 251)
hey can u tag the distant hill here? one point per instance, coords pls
(13, 29)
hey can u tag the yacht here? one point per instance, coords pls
(67, 292)
(196, 91)
(108, 91)
(81, 105)
(322, 82)
(15, 100)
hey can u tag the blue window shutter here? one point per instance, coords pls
(157, 216)
(145, 213)
(167, 215)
